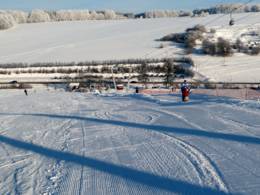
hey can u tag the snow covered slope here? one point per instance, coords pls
(122, 39)
(71, 143)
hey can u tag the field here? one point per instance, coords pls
(128, 39)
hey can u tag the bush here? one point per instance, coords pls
(175, 37)
(239, 45)
(190, 43)
(255, 50)
(191, 38)
(160, 14)
(198, 27)
(224, 47)
(213, 31)
(185, 13)
(19, 16)
(71, 15)
(38, 16)
(183, 71)
(255, 8)
(109, 15)
(209, 47)
(6, 21)
(169, 13)
(96, 16)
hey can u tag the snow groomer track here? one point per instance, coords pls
(71, 143)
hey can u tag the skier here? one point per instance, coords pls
(25, 91)
(136, 90)
(185, 90)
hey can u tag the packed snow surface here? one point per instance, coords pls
(70, 143)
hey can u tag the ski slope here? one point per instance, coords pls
(55, 142)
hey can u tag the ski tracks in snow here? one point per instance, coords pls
(202, 166)
(161, 153)
(207, 171)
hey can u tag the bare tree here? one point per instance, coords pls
(143, 76)
(169, 72)
(224, 47)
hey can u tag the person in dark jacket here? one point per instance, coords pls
(136, 90)
(26, 93)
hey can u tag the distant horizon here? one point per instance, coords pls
(134, 6)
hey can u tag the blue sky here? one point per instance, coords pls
(119, 5)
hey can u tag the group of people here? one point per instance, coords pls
(185, 90)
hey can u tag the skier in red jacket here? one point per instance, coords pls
(185, 90)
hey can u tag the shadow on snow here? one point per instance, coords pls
(158, 128)
(124, 172)
(195, 99)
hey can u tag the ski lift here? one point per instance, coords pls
(231, 21)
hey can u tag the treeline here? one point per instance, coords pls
(103, 70)
(143, 69)
(11, 17)
(184, 60)
(8, 18)
(228, 8)
(218, 9)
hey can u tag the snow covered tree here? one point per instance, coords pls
(96, 16)
(19, 16)
(72, 15)
(6, 21)
(38, 16)
(109, 15)
(63, 15)
(255, 8)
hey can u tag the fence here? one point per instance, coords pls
(243, 91)
(243, 94)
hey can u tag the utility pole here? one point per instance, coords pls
(114, 80)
